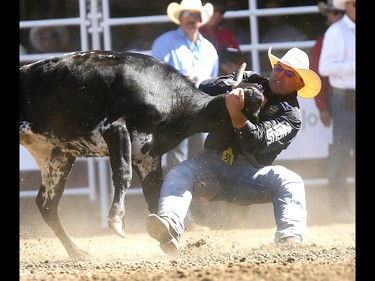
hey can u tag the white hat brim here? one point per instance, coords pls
(340, 4)
(311, 80)
(174, 9)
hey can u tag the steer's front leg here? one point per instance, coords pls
(118, 141)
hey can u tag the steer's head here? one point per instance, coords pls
(253, 102)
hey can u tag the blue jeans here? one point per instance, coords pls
(186, 149)
(208, 177)
(341, 152)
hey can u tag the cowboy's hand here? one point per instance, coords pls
(235, 101)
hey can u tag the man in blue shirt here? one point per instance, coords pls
(188, 51)
(193, 55)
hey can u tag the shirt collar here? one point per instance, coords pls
(348, 22)
(182, 34)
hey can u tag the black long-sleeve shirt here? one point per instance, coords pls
(279, 121)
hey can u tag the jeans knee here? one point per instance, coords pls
(291, 181)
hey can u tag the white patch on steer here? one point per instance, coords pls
(25, 128)
(143, 160)
(41, 147)
(103, 125)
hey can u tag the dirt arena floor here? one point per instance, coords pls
(238, 246)
(239, 254)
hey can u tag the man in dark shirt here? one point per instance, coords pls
(222, 172)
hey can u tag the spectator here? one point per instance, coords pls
(188, 51)
(193, 55)
(49, 39)
(278, 29)
(230, 56)
(337, 61)
(222, 173)
(332, 15)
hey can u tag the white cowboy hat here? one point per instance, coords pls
(62, 31)
(299, 61)
(174, 9)
(324, 8)
(340, 4)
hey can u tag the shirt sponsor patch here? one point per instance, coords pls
(278, 131)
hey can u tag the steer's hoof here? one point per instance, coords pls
(117, 227)
(79, 255)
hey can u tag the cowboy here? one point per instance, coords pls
(221, 172)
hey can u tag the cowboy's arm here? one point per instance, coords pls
(271, 135)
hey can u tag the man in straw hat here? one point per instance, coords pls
(194, 56)
(222, 172)
(185, 48)
(337, 61)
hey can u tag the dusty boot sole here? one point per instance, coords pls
(158, 229)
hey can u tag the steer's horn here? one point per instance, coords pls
(238, 76)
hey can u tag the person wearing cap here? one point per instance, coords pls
(230, 55)
(332, 15)
(195, 57)
(49, 39)
(337, 61)
(222, 171)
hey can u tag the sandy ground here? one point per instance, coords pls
(238, 246)
(327, 254)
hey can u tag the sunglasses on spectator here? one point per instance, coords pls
(288, 73)
(186, 14)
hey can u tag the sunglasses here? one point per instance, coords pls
(288, 73)
(186, 14)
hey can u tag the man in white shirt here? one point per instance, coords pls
(337, 61)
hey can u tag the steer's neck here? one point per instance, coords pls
(211, 117)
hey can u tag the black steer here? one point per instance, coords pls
(128, 106)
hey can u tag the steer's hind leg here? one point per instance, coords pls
(151, 177)
(119, 148)
(55, 170)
